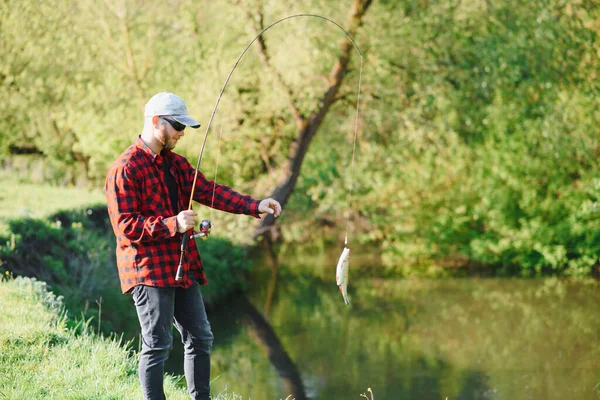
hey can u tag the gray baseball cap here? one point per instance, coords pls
(166, 103)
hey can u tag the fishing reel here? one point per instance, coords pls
(205, 228)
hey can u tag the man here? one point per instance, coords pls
(147, 190)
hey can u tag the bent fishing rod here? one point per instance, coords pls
(205, 225)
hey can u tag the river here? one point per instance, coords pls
(467, 338)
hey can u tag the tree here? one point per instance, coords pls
(307, 125)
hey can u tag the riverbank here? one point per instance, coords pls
(41, 358)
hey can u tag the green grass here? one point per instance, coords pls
(19, 199)
(22, 199)
(41, 359)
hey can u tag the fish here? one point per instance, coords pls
(341, 274)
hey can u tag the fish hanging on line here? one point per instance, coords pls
(341, 274)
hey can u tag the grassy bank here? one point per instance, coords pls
(40, 358)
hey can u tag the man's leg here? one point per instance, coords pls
(154, 307)
(197, 339)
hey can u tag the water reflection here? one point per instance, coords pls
(264, 335)
(416, 339)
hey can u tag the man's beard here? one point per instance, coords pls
(167, 142)
(170, 145)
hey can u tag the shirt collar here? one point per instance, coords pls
(139, 143)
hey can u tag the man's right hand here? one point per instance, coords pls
(185, 220)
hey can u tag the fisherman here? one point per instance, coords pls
(146, 190)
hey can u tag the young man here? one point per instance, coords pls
(147, 190)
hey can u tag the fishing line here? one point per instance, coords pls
(353, 152)
(186, 237)
(212, 203)
(262, 39)
(208, 126)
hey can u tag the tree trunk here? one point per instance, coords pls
(309, 126)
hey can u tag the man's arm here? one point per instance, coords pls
(225, 198)
(123, 198)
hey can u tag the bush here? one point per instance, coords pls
(225, 266)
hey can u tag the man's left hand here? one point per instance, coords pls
(270, 206)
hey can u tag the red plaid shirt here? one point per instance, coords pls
(148, 245)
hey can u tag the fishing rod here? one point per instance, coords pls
(205, 225)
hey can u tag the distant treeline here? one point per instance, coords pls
(478, 129)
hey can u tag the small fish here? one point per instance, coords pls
(341, 274)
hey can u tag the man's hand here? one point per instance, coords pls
(185, 220)
(270, 206)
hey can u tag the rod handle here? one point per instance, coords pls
(184, 242)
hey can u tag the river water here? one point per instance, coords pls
(468, 338)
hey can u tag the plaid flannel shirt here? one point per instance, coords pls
(148, 244)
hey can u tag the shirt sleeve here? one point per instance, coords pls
(225, 198)
(123, 199)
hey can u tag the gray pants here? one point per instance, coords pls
(158, 310)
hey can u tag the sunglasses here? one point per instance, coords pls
(178, 126)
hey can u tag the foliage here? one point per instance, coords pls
(225, 267)
(478, 134)
(73, 252)
(496, 158)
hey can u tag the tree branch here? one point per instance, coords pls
(258, 22)
(121, 14)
